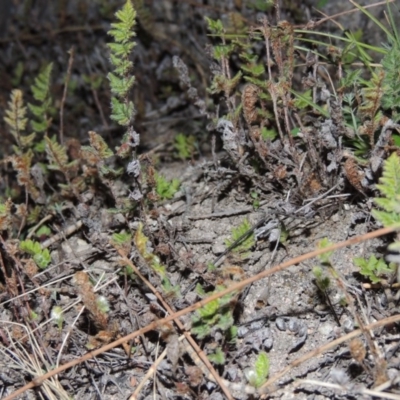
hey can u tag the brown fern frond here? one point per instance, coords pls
(353, 175)
(371, 103)
(22, 165)
(5, 215)
(56, 154)
(100, 145)
(249, 100)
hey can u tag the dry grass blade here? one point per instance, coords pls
(359, 390)
(32, 363)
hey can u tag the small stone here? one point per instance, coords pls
(326, 329)
(218, 248)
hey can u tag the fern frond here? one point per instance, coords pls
(122, 30)
(120, 50)
(100, 145)
(372, 94)
(121, 112)
(122, 67)
(5, 215)
(15, 116)
(56, 154)
(41, 93)
(389, 184)
(41, 86)
(22, 165)
(120, 86)
(391, 81)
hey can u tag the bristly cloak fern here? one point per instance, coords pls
(121, 82)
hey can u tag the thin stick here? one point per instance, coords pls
(236, 287)
(67, 77)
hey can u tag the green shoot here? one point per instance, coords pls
(164, 188)
(218, 357)
(57, 316)
(323, 282)
(184, 146)
(247, 243)
(41, 256)
(216, 314)
(154, 262)
(257, 375)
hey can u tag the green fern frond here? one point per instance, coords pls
(389, 186)
(15, 117)
(391, 81)
(238, 233)
(120, 86)
(41, 86)
(122, 30)
(41, 93)
(390, 181)
(122, 110)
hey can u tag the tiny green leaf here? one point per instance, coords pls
(218, 357)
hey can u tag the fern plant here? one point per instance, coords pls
(121, 82)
